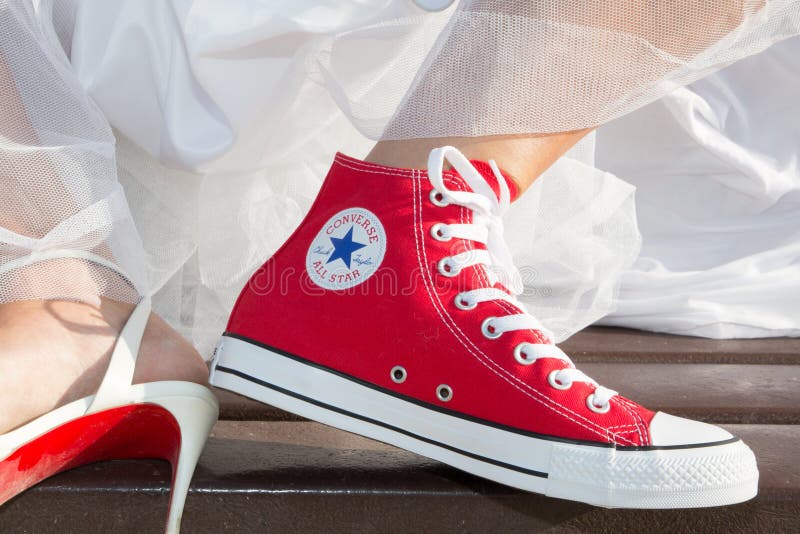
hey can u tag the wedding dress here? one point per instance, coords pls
(186, 140)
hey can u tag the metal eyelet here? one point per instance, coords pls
(439, 232)
(462, 304)
(444, 393)
(485, 328)
(595, 408)
(521, 357)
(437, 199)
(398, 374)
(551, 379)
(446, 267)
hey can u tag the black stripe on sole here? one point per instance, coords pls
(347, 413)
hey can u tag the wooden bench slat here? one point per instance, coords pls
(305, 477)
(764, 394)
(607, 344)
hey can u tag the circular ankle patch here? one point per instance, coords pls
(348, 249)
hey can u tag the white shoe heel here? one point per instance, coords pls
(195, 417)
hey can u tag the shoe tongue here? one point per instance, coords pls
(486, 171)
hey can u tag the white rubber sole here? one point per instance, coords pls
(646, 477)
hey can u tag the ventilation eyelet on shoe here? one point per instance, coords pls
(398, 374)
(595, 408)
(463, 304)
(440, 232)
(444, 393)
(551, 379)
(447, 268)
(437, 199)
(489, 330)
(521, 357)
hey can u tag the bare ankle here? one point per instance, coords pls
(523, 157)
(56, 352)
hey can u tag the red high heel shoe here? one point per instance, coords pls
(168, 420)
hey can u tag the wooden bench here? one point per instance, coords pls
(266, 470)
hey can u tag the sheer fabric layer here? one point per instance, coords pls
(57, 176)
(510, 67)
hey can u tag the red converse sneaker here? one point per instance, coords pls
(391, 313)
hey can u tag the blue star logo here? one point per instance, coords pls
(343, 248)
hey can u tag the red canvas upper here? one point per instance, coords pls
(486, 170)
(405, 315)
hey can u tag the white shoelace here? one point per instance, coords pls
(487, 228)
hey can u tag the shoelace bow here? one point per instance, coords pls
(487, 228)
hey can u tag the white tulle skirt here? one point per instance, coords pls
(225, 118)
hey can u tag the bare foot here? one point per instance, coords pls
(56, 352)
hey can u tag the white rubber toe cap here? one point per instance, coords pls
(666, 430)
